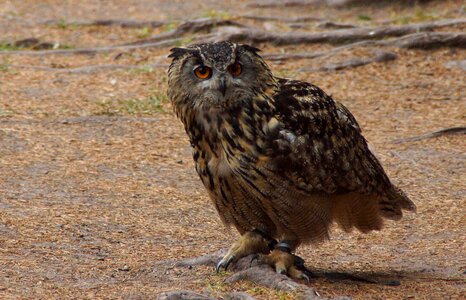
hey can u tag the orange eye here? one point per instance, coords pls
(235, 69)
(203, 72)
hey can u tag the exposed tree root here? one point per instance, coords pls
(264, 275)
(261, 274)
(159, 44)
(182, 295)
(335, 3)
(282, 19)
(416, 40)
(333, 25)
(92, 50)
(190, 295)
(411, 38)
(285, 3)
(445, 131)
(204, 260)
(239, 296)
(194, 26)
(429, 40)
(109, 22)
(90, 69)
(380, 56)
(335, 36)
(288, 56)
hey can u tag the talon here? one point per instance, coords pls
(229, 261)
(305, 277)
(249, 243)
(219, 265)
(224, 263)
(288, 264)
(253, 258)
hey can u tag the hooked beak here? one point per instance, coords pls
(222, 87)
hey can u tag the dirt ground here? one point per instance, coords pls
(97, 183)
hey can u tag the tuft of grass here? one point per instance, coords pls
(5, 112)
(62, 24)
(33, 46)
(8, 47)
(215, 14)
(5, 66)
(63, 46)
(169, 26)
(365, 18)
(143, 32)
(142, 70)
(285, 73)
(144, 106)
(184, 41)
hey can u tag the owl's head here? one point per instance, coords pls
(217, 75)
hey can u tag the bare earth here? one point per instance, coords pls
(97, 183)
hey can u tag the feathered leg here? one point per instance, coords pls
(252, 242)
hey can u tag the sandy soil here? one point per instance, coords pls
(97, 184)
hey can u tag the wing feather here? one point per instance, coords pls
(319, 146)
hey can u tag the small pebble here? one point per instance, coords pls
(125, 268)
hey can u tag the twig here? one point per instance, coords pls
(445, 131)
(335, 36)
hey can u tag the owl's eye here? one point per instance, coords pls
(235, 69)
(203, 72)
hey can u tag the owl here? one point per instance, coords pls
(280, 159)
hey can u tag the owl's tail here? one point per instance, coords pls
(392, 204)
(366, 212)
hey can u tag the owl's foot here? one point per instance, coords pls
(285, 262)
(251, 242)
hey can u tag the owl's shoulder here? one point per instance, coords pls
(301, 104)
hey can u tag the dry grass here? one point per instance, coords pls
(97, 183)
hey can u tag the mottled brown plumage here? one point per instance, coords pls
(280, 159)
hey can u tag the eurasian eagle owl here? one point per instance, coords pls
(280, 159)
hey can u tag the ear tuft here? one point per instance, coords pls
(249, 48)
(178, 52)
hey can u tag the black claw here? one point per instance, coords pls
(219, 265)
(224, 264)
(253, 258)
(230, 259)
(305, 277)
